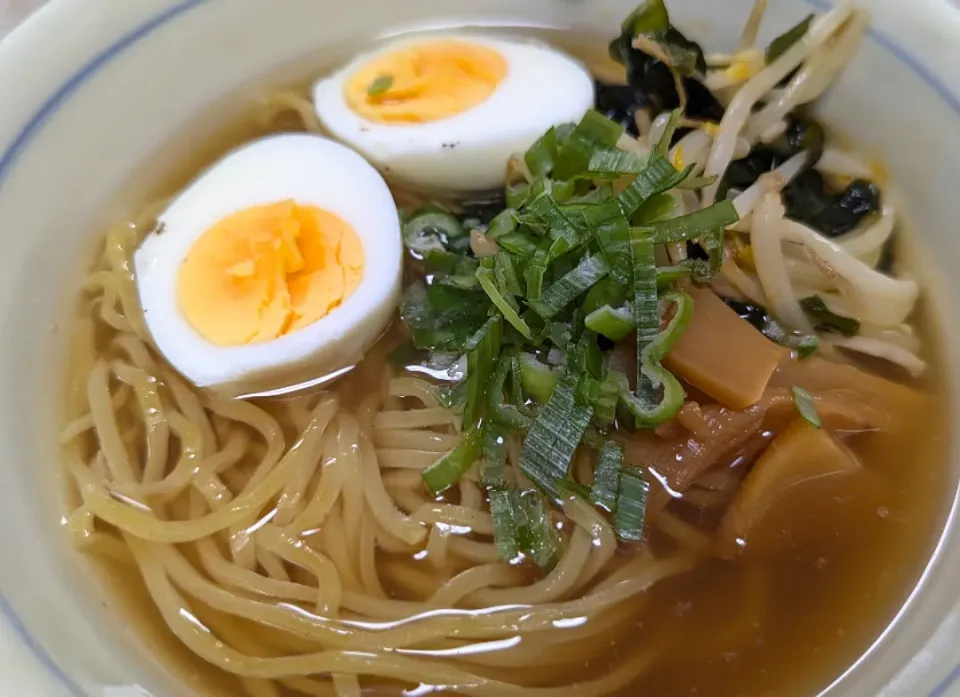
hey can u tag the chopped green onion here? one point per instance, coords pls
(482, 351)
(537, 537)
(519, 244)
(654, 209)
(560, 334)
(612, 234)
(606, 476)
(600, 194)
(538, 380)
(494, 455)
(487, 279)
(610, 163)
(541, 156)
(522, 526)
(516, 387)
(806, 406)
(442, 317)
(452, 396)
(673, 395)
(536, 268)
(594, 131)
(506, 272)
(380, 85)
(694, 183)
(506, 415)
(607, 291)
(433, 231)
(443, 262)
(658, 177)
(605, 396)
(446, 471)
(785, 41)
(591, 269)
(553, 439)
(646, 315)
(517, 195)
(502, 511)
(662, 148)
(615, 324)
(823, 318)
(631, 505)
(668, 275)
(543, 210)
(693, 225)
(504, 223)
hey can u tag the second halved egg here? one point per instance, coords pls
(446, 112)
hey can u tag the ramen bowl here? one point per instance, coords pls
(105, 100)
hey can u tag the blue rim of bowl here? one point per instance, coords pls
(77, 80)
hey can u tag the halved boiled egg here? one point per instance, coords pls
(446, 112)
(278, 266)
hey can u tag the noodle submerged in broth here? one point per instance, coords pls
(739, 499)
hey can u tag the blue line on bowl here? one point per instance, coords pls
(56, 100)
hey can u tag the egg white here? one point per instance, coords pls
(468, 151)
(310, 170)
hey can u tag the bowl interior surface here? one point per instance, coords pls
(125, 100)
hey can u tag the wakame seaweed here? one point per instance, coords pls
(651, 83)
(808, 198)
(809, 201)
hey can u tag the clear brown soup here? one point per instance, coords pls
(829, 568)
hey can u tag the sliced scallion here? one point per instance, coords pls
(538, 379)
(431, 231)
(482, 351)
(543, 210)
(631, 505)
(693, 225)
(656, 208)
(823, 318)
(658, 177)
(610, 163)
(594, 131)
(671, 399)
(380, 85)
(613, 323)
(806, 406)
(506, 415)
(553, 439)
(519, 244)
(541, 156)
(503, 513)
(536, 269)
(488, 282)
(537, 537)
(646, 315)
(494, 455)
(446, 471)
(606, 476)
(591, 269)
(662, 148)
(504, 223)
(506, 272)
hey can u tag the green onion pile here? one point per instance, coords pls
(573, 271)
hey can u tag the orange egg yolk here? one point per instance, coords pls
(266, 271)
(425, 82)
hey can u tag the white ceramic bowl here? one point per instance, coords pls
(95, 94)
